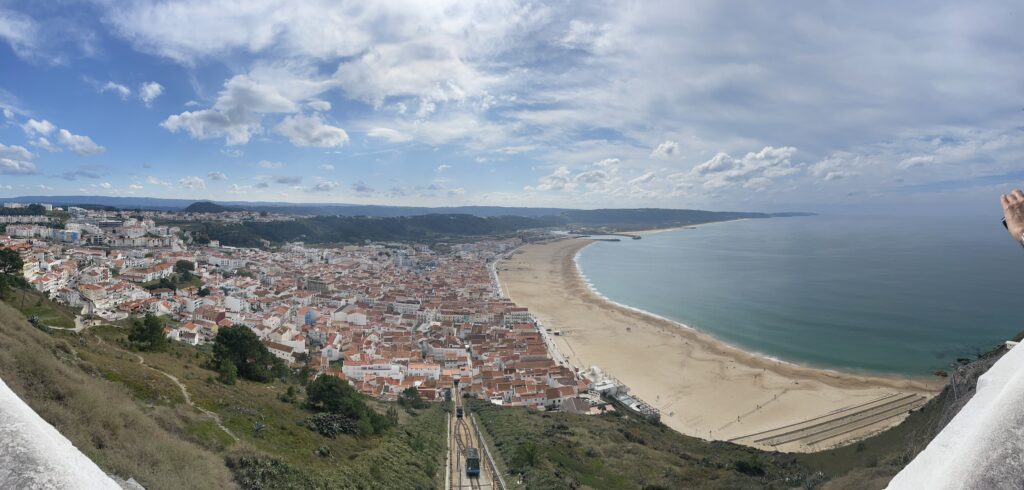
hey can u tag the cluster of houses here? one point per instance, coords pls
(384, 317)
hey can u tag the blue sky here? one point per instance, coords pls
(827, 106)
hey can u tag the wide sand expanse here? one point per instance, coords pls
(703, 387)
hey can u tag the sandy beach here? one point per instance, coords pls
(703, 387)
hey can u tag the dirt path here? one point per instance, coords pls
(184, 392)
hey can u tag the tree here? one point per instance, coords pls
(182, 266)
(239, 345)
(148, 334)
(228, 372)
(330, 394)
(10, 271)
(410, 397)
(203, 292)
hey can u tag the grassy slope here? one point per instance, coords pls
(133, 420)
(102, 418)
(610, 452)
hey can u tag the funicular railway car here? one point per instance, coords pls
(472, 461)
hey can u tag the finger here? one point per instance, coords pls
(1005, 201)
(1011, 199)
(1018, 195)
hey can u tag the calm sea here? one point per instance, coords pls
(878, 294)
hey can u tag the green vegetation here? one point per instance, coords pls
(207, 207)
(147, 334)
(33, 304)
(120, 408)
(102, 418)
(10, 271)
(410, 398)
(559, 450)
(30, 210)
(175, 281)
(348, 413)
(434, 227)
(241, 347)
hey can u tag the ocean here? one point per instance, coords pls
(888, 295)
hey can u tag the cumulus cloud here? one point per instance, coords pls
(270, 164)
(117, 88)
(149, 91)
(311, 130)
(217, 176)
(723, 170)
(288, 180)
(327, 167)
(192, 182)
(16, 152)
(324, 186)
(237, 114)
(42, 128)
(45, 144)
(441, 168)
(667, 149)
(10, 166)
(82, 145)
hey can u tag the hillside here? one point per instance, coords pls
(433, 227)
(206, 207)
(122, 410)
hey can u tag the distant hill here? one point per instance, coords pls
(206, 207)
(623, 218)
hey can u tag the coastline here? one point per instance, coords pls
(703, 386)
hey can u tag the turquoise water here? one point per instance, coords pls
(888, 295)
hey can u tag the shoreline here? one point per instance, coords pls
(721, 391)
(925, 379)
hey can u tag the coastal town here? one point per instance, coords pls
(383, 316)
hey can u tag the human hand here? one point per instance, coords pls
(1013, 212)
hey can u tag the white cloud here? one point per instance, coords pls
(20, 32)
(555, 181)
(311, 130)
(9, 166)
(269, 164)
(82, 145)
(388, 134)
(667, 149)
(45, 144)
(135, 187)
(324, 186)
(149, 91)
(192, 182)
(217, 176)
(117, 88)
(42, 128)
(16, 152)
(319, 105)
(326, 167)
(105, 185)
(8, 114)
(442, 168)
(232, 152)
(723, 170)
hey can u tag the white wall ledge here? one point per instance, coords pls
(33, 454)
(983, 446)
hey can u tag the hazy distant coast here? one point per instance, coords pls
(702, 386)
